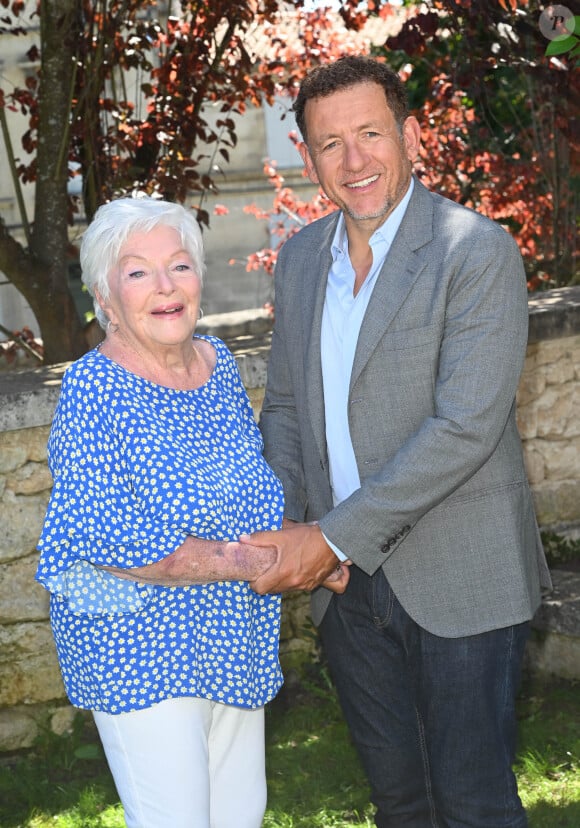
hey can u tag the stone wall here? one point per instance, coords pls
(549, 409)
(31, 692)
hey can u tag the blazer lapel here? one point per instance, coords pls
(313, 297)
(398, 274)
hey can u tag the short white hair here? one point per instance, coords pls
(110, 228)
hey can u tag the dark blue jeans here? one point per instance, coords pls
(432, 718)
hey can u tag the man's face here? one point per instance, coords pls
(358, 155)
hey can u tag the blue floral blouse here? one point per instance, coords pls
(137, 467)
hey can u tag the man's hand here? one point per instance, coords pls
(338, 579)
(304, 560)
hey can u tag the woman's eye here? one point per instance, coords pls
(136, 274)
(182, 268)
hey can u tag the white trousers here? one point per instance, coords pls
(187, 763)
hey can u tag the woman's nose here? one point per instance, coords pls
(164, 281)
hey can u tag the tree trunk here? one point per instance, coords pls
(48, 293)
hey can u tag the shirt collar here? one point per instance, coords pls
(385, 233)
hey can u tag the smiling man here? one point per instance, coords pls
(389, 416)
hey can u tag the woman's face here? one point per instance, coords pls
(155, 290)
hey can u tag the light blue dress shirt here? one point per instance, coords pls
(341, 322)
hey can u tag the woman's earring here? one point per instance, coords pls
(200, 313)
(111, 327)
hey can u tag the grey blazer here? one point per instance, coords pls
(444, 505)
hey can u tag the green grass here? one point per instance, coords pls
(549, 757)
(315, 780)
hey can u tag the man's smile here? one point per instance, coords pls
(356, 185)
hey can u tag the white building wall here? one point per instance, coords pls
(15, 312)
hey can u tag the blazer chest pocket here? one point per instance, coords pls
(408, 360)
(406, 339)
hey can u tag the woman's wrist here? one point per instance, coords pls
(248, 562)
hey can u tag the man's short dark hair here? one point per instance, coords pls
(327, 78)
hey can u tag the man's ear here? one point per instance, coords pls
(412, 137)
(308, 164)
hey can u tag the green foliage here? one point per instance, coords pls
(499, 112)
(548, 767)
(63, 781)
(571, 44)
(314, 776)
(560, 550)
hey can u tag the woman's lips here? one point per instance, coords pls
(168, 311)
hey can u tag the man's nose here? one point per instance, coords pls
(355, 156)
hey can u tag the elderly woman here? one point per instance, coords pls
(158, 469)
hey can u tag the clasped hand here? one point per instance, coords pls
(304, 560)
